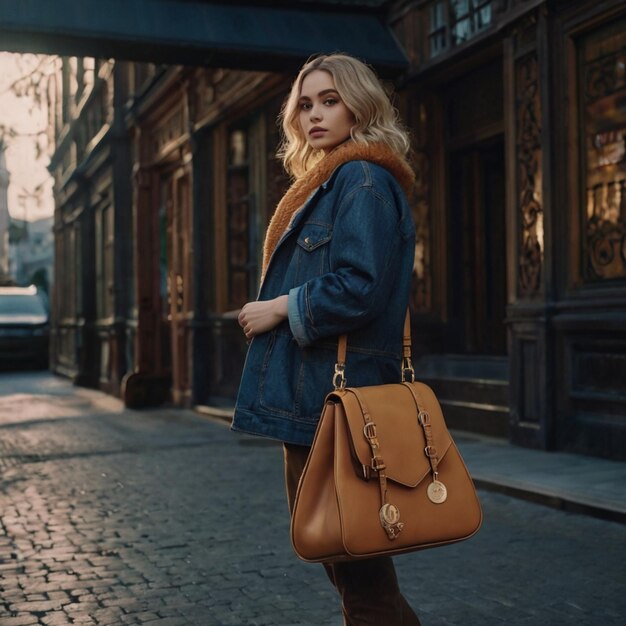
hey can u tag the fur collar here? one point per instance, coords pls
(301, 190)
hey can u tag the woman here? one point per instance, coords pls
(338, 258)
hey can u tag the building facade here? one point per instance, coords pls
(520, 138)
(166, 178)
(5, 217)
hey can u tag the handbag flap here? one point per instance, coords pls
(394, 410)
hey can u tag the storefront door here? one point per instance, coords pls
(476, 245)
(175, 275)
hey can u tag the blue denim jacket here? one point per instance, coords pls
(345, 262)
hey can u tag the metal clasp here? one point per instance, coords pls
(339, 378)
(407, 366)
(424, 418)
(431, 452)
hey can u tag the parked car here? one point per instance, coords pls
(24, 326)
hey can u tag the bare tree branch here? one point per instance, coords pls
(36, 71)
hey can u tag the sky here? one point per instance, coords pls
(26, 170)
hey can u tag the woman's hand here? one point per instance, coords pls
(261, 316)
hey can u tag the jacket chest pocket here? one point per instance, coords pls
(311, 254)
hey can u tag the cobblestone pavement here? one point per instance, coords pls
(110, 517)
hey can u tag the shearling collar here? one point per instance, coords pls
(302, 189)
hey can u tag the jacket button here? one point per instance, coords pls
(307, 241)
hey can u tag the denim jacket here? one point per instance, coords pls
(345, 262)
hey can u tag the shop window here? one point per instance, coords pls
(241, 247)
(602, 65)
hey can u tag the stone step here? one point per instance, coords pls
(473, 391)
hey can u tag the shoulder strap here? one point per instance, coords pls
(339, 379)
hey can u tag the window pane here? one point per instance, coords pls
(21, 305)
(437, 15)
(462, 31)
(461, 8)
(469, 17)
(603, 109)
(484, 17)
(438, 28)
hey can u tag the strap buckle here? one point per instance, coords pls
(369, 430)
(339, 377)
(377, 464)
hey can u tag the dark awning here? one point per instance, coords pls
(247, 36)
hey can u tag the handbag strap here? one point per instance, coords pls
(339, 377)
(388, 514)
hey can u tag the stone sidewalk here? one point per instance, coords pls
(110, 516)
(571, 482)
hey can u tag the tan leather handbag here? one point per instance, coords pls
(383, 476)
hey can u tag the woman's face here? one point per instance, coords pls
(324, 118)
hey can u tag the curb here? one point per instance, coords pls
(554, 500)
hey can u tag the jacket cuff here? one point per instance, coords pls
(296, 321)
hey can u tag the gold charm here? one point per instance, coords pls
(389, 514)
(437, 492)
(390, 520)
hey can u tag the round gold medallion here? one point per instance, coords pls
(437, 492)
(389, 514)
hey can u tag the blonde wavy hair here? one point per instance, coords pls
(376, 119)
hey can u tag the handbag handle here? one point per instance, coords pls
(339, 377)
